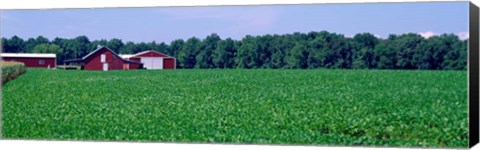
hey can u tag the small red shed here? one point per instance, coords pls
(152, 60)
(32, 60)
(104, 59)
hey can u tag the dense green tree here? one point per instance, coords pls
(278, 53)
(127, 48)
(41, 40)
(407, 45)
(367, 40)
(152, 46)
(385, 55)
(316, 49)
(32, 42)
(81, 46)
(58, 41)
(246, 51)
(187, 56)
(282, 44)
(451, 52)
(364, 59)
(343, 52)
(224, 54)
(336, 52)
(13, 45)
(363, 51)
(29, 44)
(204, 58)
(175, 47)
(263, 53)
(140, 47)
(115, 45)
(47, 48)
(298, 56)
(65, 54)
(96, 43)
(163, 48)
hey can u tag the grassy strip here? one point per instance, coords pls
(69, 67)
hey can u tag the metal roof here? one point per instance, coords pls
(134, 55)
(124, 56)
(29, 55)
(99, 48)
(132, 62)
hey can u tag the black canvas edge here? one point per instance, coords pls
(473, 75)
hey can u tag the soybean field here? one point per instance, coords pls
(246, 106)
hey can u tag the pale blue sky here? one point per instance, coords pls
(163, 24)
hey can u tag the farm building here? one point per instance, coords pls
(152, 60)
(32, 60)
(104, 59)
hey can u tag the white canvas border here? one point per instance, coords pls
(58, 4)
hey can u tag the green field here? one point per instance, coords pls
(319, 107)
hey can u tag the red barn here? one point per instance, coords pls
(32, 60)
(152, 60)
(104, 59)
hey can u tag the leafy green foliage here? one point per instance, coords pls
(297, 58)
(11, 70)
(204, 57)
(14, 44)
(321, 107)
(224, 53)
(188, 53)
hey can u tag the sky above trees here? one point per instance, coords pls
(164, 24)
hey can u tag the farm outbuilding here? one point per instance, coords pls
(152, 60)
(104, 59)
(32, 60)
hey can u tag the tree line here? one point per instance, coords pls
(297, 50)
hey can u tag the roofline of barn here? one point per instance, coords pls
(135, 55)
(98, 49)
(29, 55)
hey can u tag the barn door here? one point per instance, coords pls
(147, 62)
(152, 63)
(158, 63)
(105, 67)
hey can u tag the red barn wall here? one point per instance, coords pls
(169, 63)
(93, 62)
(134, 66)
(33, 62)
